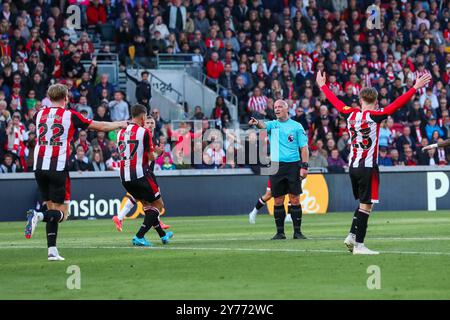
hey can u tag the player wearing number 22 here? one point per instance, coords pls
(56, 127)
(136, 149)
(364, 126)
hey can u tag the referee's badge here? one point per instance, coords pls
(291, 138)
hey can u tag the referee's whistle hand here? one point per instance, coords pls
(253, 122)
(303, 173)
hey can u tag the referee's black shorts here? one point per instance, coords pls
(286, 180)
(53, 185)
(365, 184)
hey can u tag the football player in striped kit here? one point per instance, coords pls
(130, 201)
(56, 127)
(364, 126)
(136, 149)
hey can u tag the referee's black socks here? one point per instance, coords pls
(52, 218)
(361, 225)
(279, 213)
(296, 215)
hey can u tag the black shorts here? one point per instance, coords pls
(53, 185)
(143, 189)
(286, 180)
(365, 183)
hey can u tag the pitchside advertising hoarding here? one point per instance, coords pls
(221, 192)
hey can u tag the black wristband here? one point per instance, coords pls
(304, 165)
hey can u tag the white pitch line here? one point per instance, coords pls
(234, 249)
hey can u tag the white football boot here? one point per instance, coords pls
(350, 241)
(360, 248)
(252, 216)
(53, 254)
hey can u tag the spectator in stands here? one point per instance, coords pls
(9, 165)
(316, 160)
(406, 139)
(221, 114)
(83, 106)
(112, 164)
(409, 157)
(167, 163)
(395, 158)
(104, 84)
(432, 127)
(73, 67)
(97, 160)
(159, 25)
(96, 14)
(335, 162)
(383, 159)
(176, 16)
(143, 90)
(257, 104)
(227, 79)
(118, 108)
(214, 68)
(80, 162)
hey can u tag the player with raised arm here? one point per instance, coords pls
(364, 126)
(56, 126)
(136, 150)
(131, 202)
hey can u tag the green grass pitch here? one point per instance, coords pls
(226, 258)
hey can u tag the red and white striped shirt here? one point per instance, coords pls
(18, 147)
(257, 104)
(364, 127)
(134, 143)
(347, 66)
(55, 128)
(375, 65)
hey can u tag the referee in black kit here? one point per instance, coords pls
(287, 140)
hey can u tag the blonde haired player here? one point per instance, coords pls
(150, 124)
(364, 125)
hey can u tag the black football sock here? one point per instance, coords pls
(361, 225)
(156, 223)
(146, 225)
(279, 213)
(260, 203)
(52, 217)
(296, 215)
(355, 217)
(149, 221)
(52, 232)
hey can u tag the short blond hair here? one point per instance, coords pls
(369, 95)
(57, 92)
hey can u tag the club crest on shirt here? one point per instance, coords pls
(291, 138)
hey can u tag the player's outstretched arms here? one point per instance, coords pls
(406, 97)
(107, 126)
(441, 144)
(338, 104)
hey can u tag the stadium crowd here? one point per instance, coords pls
(257, 50)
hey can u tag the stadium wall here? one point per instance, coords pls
(225, 192)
